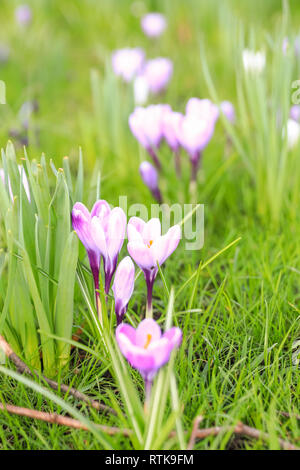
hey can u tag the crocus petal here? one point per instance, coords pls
(123, 286)
(98, 236)
(151, 231)
(164, 246)
(174, 335)
(147, 332)
(141, 254)
(81, 223)
(126, 330)
(115, 232)
(137, 223)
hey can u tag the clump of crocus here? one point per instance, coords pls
(254, 61)
(146, 124)
(227, 109)
(196, 130)
(148, 248)
(171, 129)
(157, 73)
(150, 178)
(146, 348)
(153, 24)
(127, 63)
(123, 287)
(23, 15)
(24, 182)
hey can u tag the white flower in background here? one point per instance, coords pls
(140, 90)
(293, 133)
(254, 62)
(153, 24)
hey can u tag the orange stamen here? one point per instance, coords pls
(148, 341)
(150, 243)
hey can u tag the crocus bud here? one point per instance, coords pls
(254, 62)
(127, 63)
(153, 24)
(295, 112)
(146, 124)
(146, 348)
(23, 15)
(123, 287)
(227, 109)
(158, 73)
(150, 178)
(147, 247)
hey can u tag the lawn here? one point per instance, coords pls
(233, 380)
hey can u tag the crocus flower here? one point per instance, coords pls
(150, 178)
(123, 287)
(254, 62)
(23, 15)
(147, 247)
(158, 72)
(295, 112)
(108, 232)
(146, 124)
(127, 63)
(24, 182)
(203, 109)
(171, 128)
(153, 24)
(197, 128)
(227, 109)
(81, 221)
(140, 90)
(146, 348)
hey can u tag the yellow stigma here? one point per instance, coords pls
(148, 341)
(150, 243)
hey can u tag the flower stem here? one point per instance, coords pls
(148, 386)
(149, 309)
(154, 157)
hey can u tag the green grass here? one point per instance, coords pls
(241, 318)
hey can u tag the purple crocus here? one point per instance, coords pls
(146, 124)
(81, 221)
(123, 287)
(227, 109)
(171, 128)
(150, 178)
(108, 232)
(146, 348)
(295, 112)
(23, 15)
(153, 24)
(202, 108)
(127, 63)
(158, 73)
(147, 247)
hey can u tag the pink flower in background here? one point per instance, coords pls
(24, 182)
(147, 247)
(127, 63)
(146, 348)
(227, 109)
(202, 108)
(123, 287)
(295, 112)
(150, 177)
(158, 72)
(146, 124)
(108, 232)
(23, 15)
(171, 129)
(153, 24)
